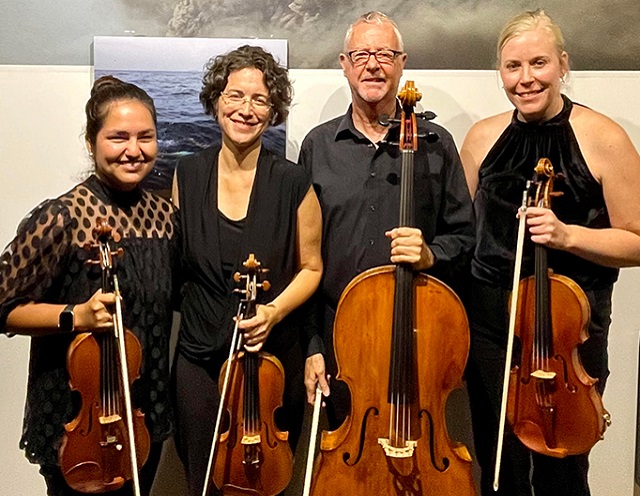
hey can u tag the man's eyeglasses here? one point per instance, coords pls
(385, 56)
(238, 99)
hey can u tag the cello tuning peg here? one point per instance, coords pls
(427, 115)
(385, 120)
(431, 137)
(265, 285)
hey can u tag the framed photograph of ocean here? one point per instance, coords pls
(171, 70)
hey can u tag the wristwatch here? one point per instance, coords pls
(65, 319)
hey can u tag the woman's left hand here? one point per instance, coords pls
(256, 329)
(546, 229)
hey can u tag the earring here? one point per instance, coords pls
(91, 155)
(562, 81)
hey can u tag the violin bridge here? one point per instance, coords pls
(250, 439)
(543, 374)
(110, 419)
(394, 452)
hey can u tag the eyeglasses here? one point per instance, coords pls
(385, 56)
(259, 103)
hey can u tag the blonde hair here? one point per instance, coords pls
(373, 17)
(529, 21)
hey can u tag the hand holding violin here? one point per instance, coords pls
(256, 329)
(95, 315)
(546, 229)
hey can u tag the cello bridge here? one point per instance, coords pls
(405, 451)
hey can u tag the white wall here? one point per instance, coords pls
(42, 154)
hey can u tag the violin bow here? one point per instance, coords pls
(312, 441)
(118, 328)
(233, 349)
(511, 334)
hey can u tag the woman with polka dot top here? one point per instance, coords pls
(48, 290)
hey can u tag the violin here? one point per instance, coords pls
(548, 398)
(401, 340)
(107, 441)
(251, 456)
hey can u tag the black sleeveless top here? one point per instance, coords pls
(502, 179)
(269, 232)
(230, 237)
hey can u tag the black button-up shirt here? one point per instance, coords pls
(358, 185)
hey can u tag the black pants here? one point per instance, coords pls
(196, 397)
(57, 486)
(521, 470)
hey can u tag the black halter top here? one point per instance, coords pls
(502, 178)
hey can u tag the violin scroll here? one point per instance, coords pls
(543, 183)
(252, 282)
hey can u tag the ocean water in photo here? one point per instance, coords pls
(183, 127)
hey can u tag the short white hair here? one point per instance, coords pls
(373, 17)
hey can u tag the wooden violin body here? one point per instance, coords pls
(93, 456)
(359, 458)
(562, 415)
(253, 456)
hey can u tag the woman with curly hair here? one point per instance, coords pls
(238, 198)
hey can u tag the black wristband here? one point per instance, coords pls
(65, 319)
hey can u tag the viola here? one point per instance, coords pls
(551, 402)
(555, 408)
(401, 340)
(251, 456)
(107, 441)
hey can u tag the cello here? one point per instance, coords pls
(251, 456)
(548, 398)
(401, 341)
(108, 440)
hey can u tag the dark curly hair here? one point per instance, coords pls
(106, 90)
(276, 79)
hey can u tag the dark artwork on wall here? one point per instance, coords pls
(171, 70)
(438, 34)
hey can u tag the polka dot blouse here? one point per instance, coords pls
(47, 262)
